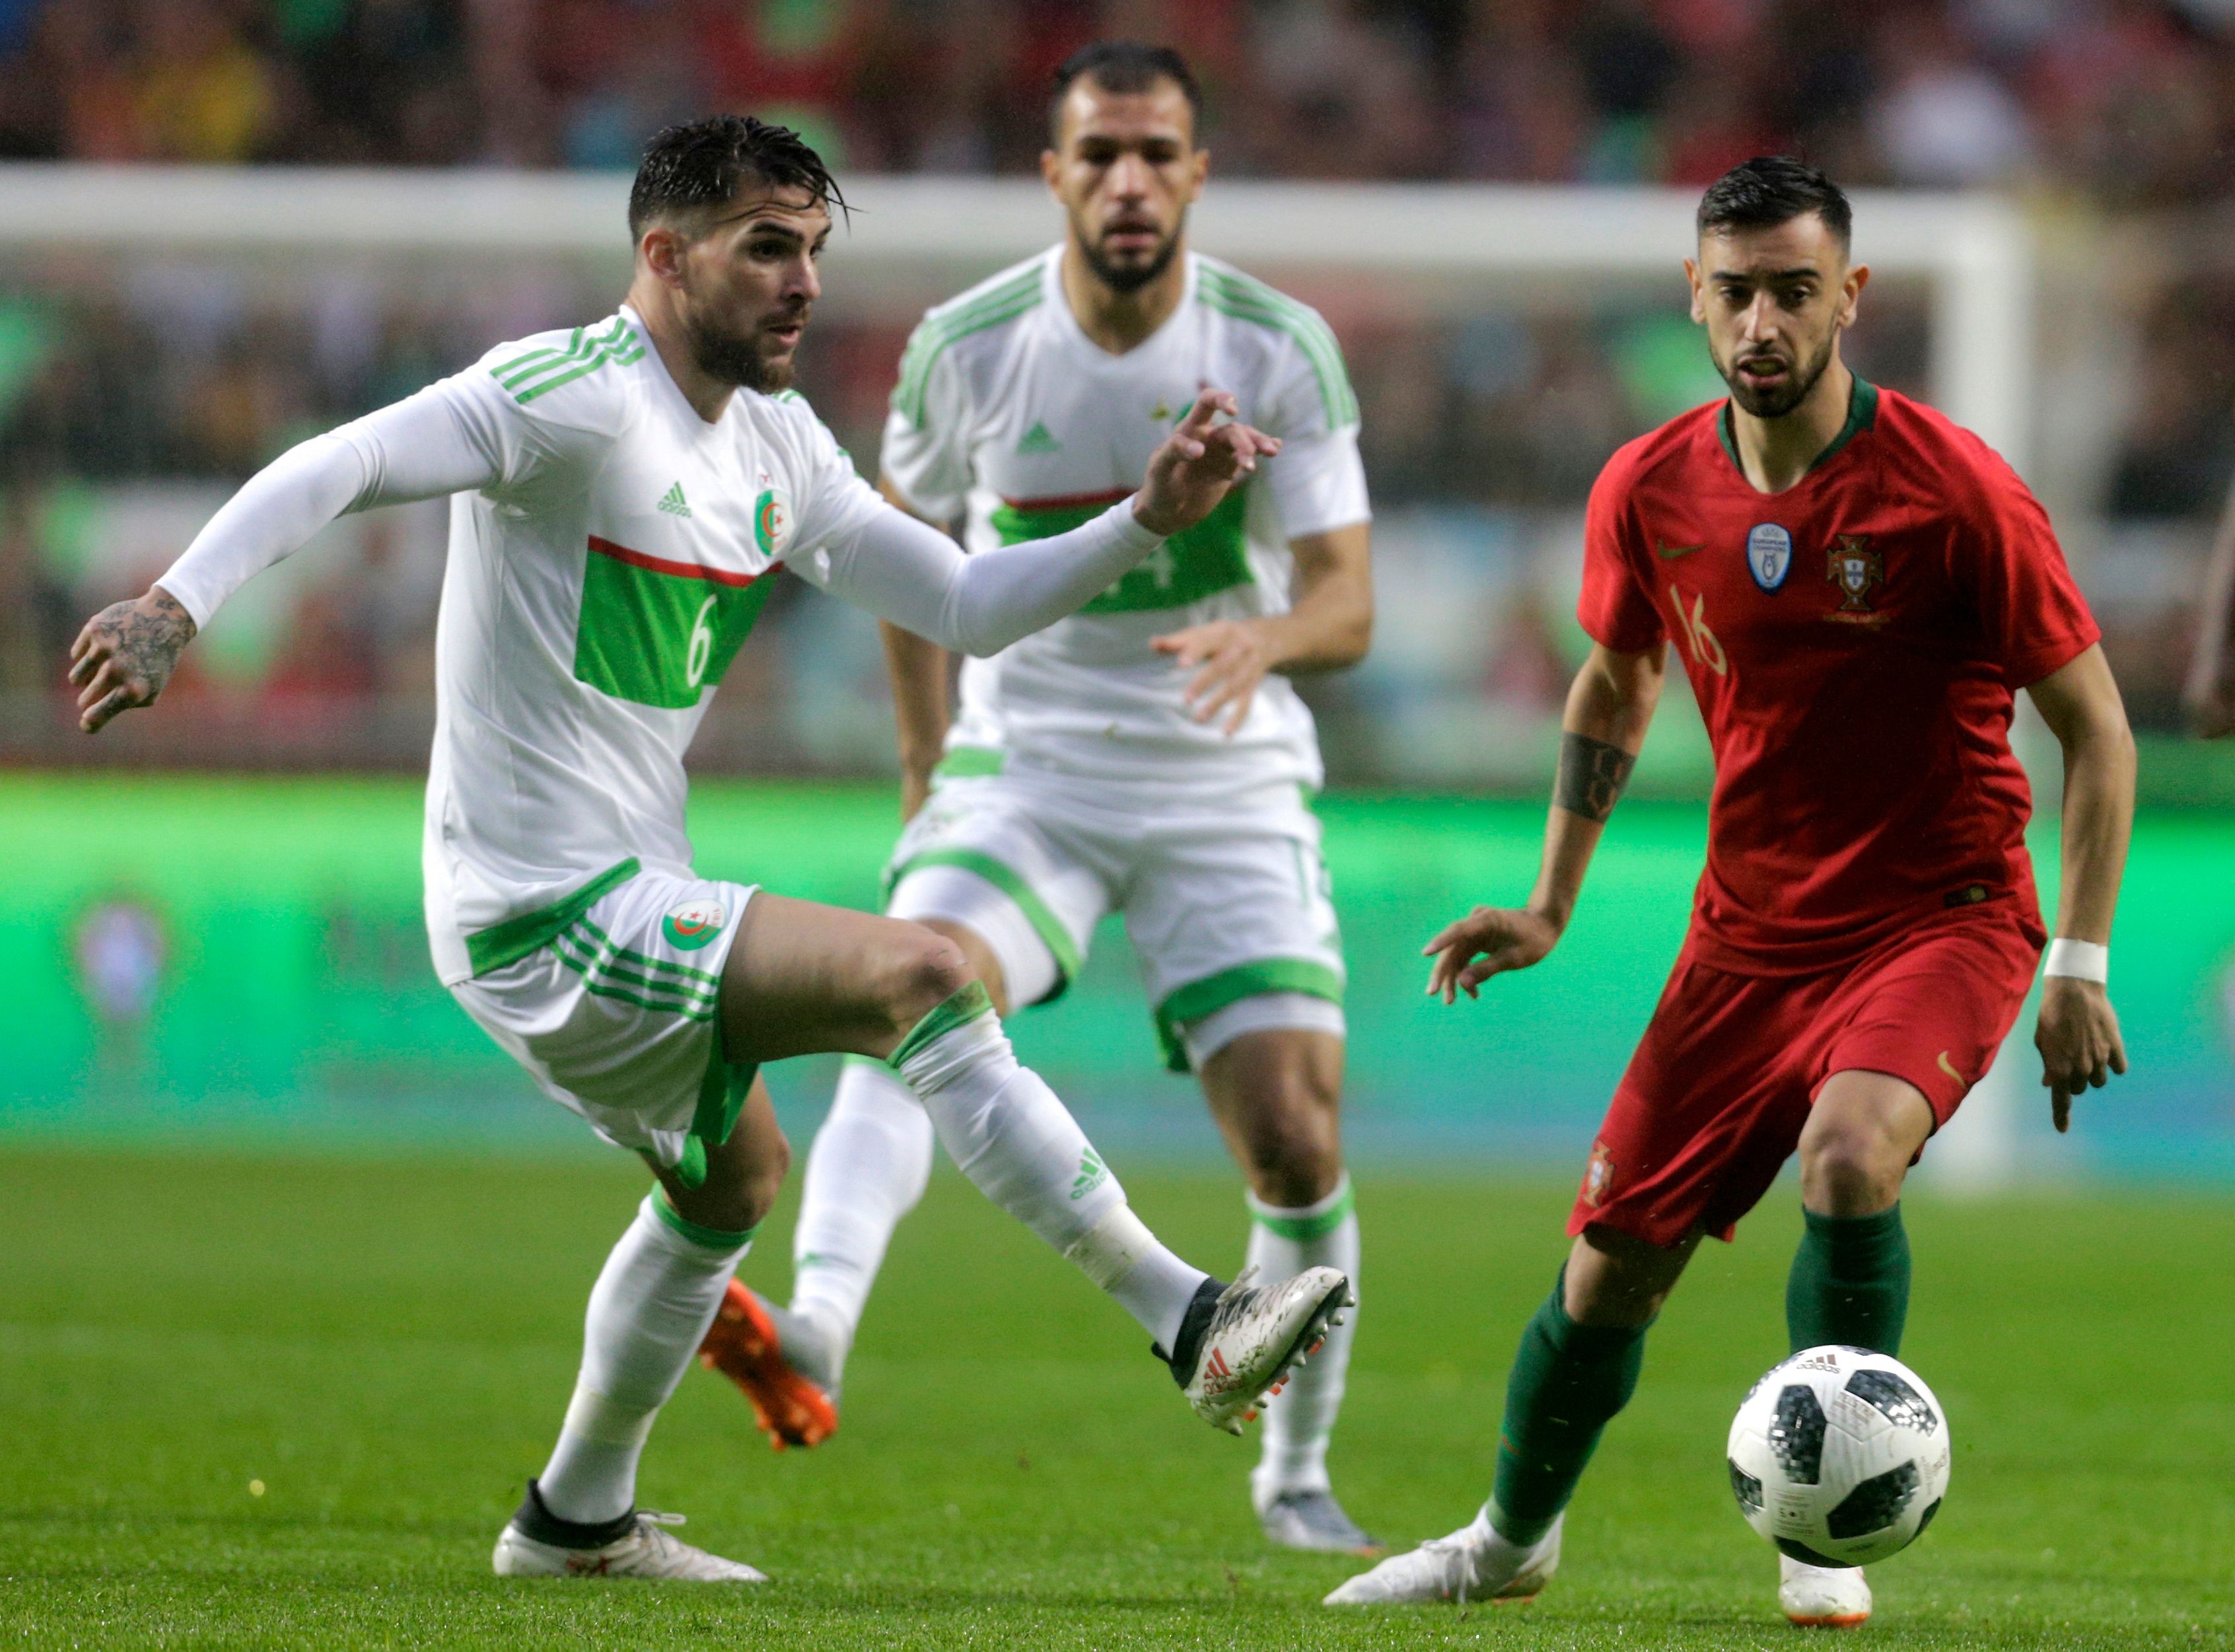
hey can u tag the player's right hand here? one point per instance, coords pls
(2077, 1033)
(1190, 473)
(1487, 941)
(126, 654)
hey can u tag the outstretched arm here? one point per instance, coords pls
(1328, 626)
(2210, 691)
(910, 574)
(2077, 1033)
(918, 669)
(1610, 705)
(437, 442)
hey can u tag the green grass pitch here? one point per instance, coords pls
(386, 1345)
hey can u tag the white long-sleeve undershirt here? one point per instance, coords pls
(441, 441)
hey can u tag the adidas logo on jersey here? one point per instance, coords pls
(672, 501)
(1037, 440)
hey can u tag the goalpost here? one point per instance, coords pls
(1427, 252)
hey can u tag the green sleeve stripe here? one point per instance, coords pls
(599, 968)
(1036, 911)
(621, 357)
(582, 343)
(937, 331)
(513, 940)
(708, 1238)
(547, 355)
(957, 1009)
(1303, 1230)
(1214, 992)
(643, 959)
(1249, 301)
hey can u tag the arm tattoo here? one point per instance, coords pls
(1591, 777)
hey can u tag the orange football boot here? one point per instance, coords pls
(742, 1344)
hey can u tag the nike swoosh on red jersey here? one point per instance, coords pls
(1671, 552)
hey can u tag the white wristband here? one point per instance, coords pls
(2082, 960)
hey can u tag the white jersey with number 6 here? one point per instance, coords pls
(595, 594)
(1008, 416)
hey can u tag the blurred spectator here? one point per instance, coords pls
(130, 398)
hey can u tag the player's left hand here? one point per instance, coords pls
(1197, 462)
(1234, 655)
(2077, 1034)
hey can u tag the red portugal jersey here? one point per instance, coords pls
(1854, 644)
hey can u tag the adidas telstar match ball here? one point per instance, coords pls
(1839, 1456)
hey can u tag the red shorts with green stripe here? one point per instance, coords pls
(1225, 900)
(1715, 1097)
(608, 999)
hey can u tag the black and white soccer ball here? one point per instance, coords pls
(1839, 1456)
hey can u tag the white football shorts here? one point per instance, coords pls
(1228, 907)
(608, 999)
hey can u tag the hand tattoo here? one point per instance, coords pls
(144, 639)
(1591, 776)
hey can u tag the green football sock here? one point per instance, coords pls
(1568, 1381)
(1850, 1282)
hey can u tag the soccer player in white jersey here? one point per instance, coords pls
(623, 494)
(1145, 756)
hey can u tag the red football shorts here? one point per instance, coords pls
(1715, 1097)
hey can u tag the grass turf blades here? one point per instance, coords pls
(386, 1344)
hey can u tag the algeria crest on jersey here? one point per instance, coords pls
(694, 924)
(1856, 570)
(772, 521)
(1769, 554)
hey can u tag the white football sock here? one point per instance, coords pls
(649, 1311)
(867, 1168)
(1282, 1243)
(1005, 1129)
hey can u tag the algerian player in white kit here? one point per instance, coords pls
(623, 494)
(1142, 757)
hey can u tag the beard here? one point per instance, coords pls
(729, 356)
(1125, 278)
(1778, 400)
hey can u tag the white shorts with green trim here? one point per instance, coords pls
(1226, 906)
(608, 999)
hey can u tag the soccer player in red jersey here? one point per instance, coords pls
(1857, 589)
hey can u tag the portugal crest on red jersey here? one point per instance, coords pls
(1856, 570)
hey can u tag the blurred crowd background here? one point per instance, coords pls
(131, 397)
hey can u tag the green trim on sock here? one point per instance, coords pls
(958, 1008)
(712, 1238)
(1567, 1382)
(1304, 1229)
(1850, 1282)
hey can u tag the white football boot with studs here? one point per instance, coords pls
(1473, 1563)
(645, 1549)
(1257, 1335)
(1822, 1597)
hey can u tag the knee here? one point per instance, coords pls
(740, 1190)
(1292, 1142)
(1851, 1164)
(923, 971)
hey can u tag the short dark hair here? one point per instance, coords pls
(1123, 66)
(1769, 190)
(702, 163)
